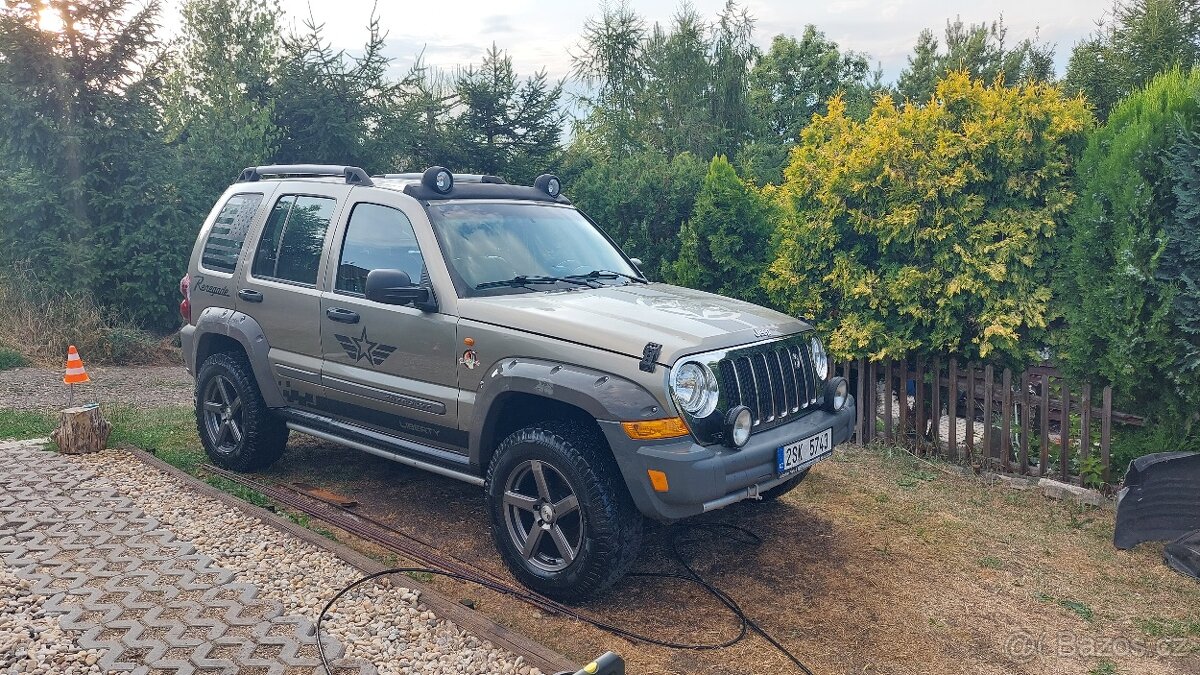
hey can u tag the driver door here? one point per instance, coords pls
(392, 368)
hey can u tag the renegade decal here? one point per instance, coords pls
(359, 348)
(199, 285)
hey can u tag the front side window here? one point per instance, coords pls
(291, 243)
(489, 242)
(377, 237)
(225, 240)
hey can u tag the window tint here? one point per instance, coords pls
(229, 231)
(377, 237)
(292, 239)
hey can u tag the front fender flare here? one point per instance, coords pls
(604, 396)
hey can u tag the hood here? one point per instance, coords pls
(623, 319)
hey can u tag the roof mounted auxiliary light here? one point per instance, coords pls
(439, 179)
(548, 183)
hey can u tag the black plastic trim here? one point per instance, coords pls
(485, 190)
(352, 174)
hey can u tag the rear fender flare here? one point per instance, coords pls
(247, 332)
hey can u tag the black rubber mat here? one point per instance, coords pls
(1183, 555)
(1160, 500)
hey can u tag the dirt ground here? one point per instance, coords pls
(878, 563)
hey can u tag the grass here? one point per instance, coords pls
(1169, 628)
(991, 562)
(22, 424)
(10, 359)
(41, 322)
(170, 433)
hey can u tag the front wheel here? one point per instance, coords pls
(237, 429)
(561, 516)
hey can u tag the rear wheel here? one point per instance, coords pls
(562, 518)
(237, 429)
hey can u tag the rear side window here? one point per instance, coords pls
(292, 240)
(229, 232)
(378, 237)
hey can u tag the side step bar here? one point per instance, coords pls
(395, 449)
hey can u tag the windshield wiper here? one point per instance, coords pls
(607, 274)
(524, 280)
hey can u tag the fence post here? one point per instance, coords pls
(872, 395)
(919, 402)
(902, 399)
(989, 377)
(861, 422)
(888, 381)
(1026, 428)
(1044, 410)
(970, 439)
(1064, 431)
(1085, 422)
(936, 407)
(1006, 406)
(1106, 431)
(952, 405)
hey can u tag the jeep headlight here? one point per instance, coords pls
(694, 387)
(820, 358)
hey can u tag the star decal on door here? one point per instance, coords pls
(359, 348)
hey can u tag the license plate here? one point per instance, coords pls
(803, 451)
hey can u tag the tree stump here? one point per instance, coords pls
(81, 430)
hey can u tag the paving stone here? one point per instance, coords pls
(120, 582)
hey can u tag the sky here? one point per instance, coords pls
(542, 33)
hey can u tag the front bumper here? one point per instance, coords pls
(703, 478)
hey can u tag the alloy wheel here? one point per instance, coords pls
(541, 511)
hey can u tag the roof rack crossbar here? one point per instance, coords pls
(353, 174)
(458, 177)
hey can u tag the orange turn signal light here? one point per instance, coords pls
(658, 480)
(671, 427)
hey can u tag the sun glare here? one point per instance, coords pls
(49, 20)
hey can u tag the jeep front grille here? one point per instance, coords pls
(775, 381)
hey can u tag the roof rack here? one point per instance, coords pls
(458, 177)
(353, 174)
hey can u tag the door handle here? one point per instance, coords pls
(342, 315)
(250, 296)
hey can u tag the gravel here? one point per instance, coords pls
(142, 386)
(30, 641)
(384, 624)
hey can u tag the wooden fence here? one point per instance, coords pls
(1035, 423)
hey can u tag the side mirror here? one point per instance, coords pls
(395, 287)
(637, 262)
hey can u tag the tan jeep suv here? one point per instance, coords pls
(494, 334)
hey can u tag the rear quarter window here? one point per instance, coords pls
(224, 243)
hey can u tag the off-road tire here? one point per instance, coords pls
(612, 525)
(263, 435)
(784, 487)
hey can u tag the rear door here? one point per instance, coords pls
(393, 368)
(278, 288)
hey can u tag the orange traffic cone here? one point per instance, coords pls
(75, 372)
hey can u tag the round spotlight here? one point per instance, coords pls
(737, 425)
(438, 178)
(837, 393)
(548, 183)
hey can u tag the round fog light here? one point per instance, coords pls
(837, 393)
(737, 426)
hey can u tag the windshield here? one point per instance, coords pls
(488, 243)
